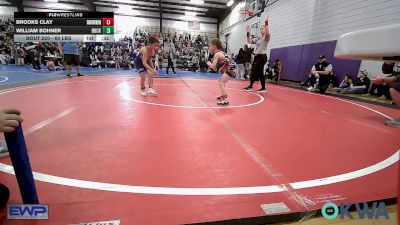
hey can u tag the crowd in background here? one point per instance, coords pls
(187, 52)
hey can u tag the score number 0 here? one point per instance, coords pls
(108, 21)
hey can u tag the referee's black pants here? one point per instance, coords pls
(170, 65)
(257, 70)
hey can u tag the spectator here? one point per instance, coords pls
(51, 66)
(203, 65)
(94, 62)
(320, 76)
(360, 86)
(240, 65)
(161, 58)
(102, 59)
(3, 58)
(117, 60)
(132, 58)
(382, 90)
(394, 81)
(247, 52)
(13, 53)
(171, 58)
(195, 63)
(36, 59)
(346, 83)
(277, 71)
(20, 56)
(156, 63)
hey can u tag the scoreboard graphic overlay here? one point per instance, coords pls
(64, 27)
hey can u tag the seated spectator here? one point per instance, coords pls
(203, 65)
(20, 56)
(277, 71)
(125, 62)
(360, 86)
(394, 81)
(132, 57)
(320, 76)
(51, 66)
(381, 90)
(101, 58)
(346, 83)
(2, 46)
(117, 60)
(195, 63)
(3, 58)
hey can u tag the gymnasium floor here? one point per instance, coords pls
(102, 152)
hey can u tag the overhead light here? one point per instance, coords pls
(197, 2)
(189, 18)
(190, 13)
(126, 10)
(51, 0)
(229, 3)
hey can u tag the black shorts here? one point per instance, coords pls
(70, 59)
(396, 86)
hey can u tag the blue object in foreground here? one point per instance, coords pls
(22, 167)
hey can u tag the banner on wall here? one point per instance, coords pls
(255, 29)
(194, 25)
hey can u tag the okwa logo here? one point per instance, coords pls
(378, 209)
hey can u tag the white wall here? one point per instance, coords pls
(183, 25)
(234, 17)
(126, 25)
(29, 6)
(373, 67)
(7, 10)
(294, 22)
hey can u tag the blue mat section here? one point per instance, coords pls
(11, 74)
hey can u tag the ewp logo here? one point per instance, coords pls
(330, 211)
(28, 212)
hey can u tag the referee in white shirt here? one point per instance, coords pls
(260, 58)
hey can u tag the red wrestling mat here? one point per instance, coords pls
(102, 152)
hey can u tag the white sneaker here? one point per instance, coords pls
(310, 89)
(143, 93)
(3, 149)
(152, 91)
(383, 97)
(394, 123)
(223, 102)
